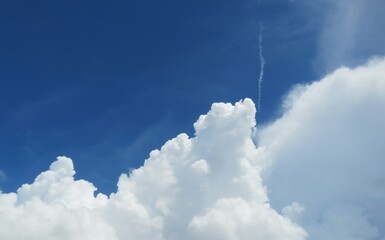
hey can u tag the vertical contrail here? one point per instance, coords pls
(261, 66)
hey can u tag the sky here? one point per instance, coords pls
(119, 89)
(106, 83)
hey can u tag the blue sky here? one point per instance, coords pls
(106, 82)
(102, 84)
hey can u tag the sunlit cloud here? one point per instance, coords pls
(316, 173)
(326, 153)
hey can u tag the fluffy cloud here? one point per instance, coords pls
(317, 173)
(205, 187)
(327, 153)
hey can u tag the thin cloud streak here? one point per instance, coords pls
(3, 176)
(261, 65)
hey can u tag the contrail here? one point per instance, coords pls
(261, 66)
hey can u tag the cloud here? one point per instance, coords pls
(3, 176)
(326, 153)
(189, 189)
(317, 173)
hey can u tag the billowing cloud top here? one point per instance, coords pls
(320, 164)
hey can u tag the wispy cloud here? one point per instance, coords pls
(350, 31)
(3, 176)
(261, 65)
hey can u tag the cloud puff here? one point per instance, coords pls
(321, 164)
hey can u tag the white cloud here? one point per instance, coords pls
(189, 189)
(322, 163)
(326, 153)
(200, 166)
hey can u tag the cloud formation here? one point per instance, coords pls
(317, 173)
(326, 153)
(189, 189)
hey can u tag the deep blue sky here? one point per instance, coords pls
(105, 82)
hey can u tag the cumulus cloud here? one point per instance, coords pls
(327, 154)
(317, 173)
(205, 187)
